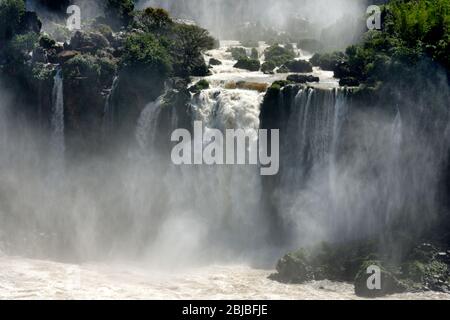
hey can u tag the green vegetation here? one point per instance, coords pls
(119, 12)
(424, 267)
(279, 55)
(300, 66)
(199, 86)
(413, 32)
(327, 61)
(144, 54)
(11, 15)
(154, 20)
(255, 54)
(268, 67)
(248, 64)
(238, 53)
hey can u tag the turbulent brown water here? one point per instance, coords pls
(35, 279)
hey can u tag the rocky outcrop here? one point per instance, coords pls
(299, 78)
(299, 66)
(388, 282)
(214, 62)
(248, 64)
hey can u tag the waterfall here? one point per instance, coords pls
(309, 183)
(147, 125)
(57, 118)
(109, 110)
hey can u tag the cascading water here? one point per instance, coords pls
(147, 124)
(349, 172)
(109, 111)
(57, 118)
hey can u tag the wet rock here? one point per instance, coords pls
(389, 284)
(199, 86)
(331, 262)
(214, 62)
(300, 78)
(268, 67)
(294, 268)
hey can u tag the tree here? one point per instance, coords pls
(11, 15)
(155, 20)
(189, 43)
(144, 54)
(119, 12)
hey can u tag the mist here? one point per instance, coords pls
(225, 17)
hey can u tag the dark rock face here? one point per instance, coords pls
(31, 23)
(299, 78)
(214, 62)
(350, 82)
(40, 55)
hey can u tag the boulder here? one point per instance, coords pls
(199, 86)
(389, 284)
(268, 67)
(294, 267)
(66, 55)
(300, 78)
(283, 69)
(338, 262)
(214, 62)
(248, 64)
(300, 66)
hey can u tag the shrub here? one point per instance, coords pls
(268, 67)
(20, 46)
(238, 53)
(46, 42)
(279, 55)
(119, 12)
(143, 53)
(301, 66)
(189, 42)
(248, 64)
(154, 20)
(82, 66)
(255, 54)
(327, 61)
